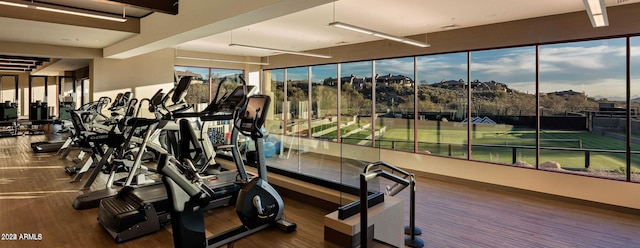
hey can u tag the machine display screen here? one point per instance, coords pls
(256, 112)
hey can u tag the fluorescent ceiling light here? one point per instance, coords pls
(12, 68)
(16, 63)
(108, 18)
(388, 37)
(350, 27)
(379, 34)
(283, 51)
(68, 12)
(223, 60)
(14, 4)
(597, 11)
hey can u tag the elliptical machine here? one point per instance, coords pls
(259, 205)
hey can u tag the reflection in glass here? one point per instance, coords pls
(503, 104)
(324, 88)
(274, 87)
(442, 104)
(582, 108)
(395, 104)
(298, 101)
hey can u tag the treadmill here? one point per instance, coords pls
(54, 146)
(135, 212)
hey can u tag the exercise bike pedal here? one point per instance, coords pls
(70, 170)
(286, 226)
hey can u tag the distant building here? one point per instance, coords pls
(197, 78)
(330, 82)
(566, 93)
(476, 85)
(489, 86)
(301, 84)
(450, 84)
(386, 80)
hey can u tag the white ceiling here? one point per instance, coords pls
(19, 30)
(307, 30)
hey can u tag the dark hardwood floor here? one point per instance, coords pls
(36, 196)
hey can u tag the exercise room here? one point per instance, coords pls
(319, 123)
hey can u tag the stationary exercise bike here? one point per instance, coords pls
(259, 205)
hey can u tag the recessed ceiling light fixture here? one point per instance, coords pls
(64, 11)
(378, 34)
(282, 51)
(597, 11)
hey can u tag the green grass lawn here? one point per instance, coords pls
(450, 141)
(443, 142)
(323, 127)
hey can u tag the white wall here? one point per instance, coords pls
(148, 69)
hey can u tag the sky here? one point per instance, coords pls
(204, 72)
(596, 68)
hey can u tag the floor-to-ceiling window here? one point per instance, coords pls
(442, 104)
(274, 87)
(582, 101)
(395, 105)
(205, 84)
(575, 118)
(503, 100)
(356, 103)
(8, 83)
(38, 92)
(634, 108)
(198, 92)
(324, 102)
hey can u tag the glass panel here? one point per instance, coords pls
(635, 108)
(298, 101)
(324, 86)
(229, 79)
(86, 95)
(442, 104)
(78, 93)
(297, 120)
(325, 163)
(52, 95)
(582, 100)
(68, 90)
(356, 126)
(503, 104)
(8, 88)
(37, 92)
(8, 84)
(395, 104)
(274, 87)
(198, 92)
(356, 100)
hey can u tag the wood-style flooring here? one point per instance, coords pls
(36, 197)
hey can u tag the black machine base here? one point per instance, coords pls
(286, 226)
(92, 199)
(46, 146)
(134, 213)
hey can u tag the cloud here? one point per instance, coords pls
(399, 66)
(594, 67)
